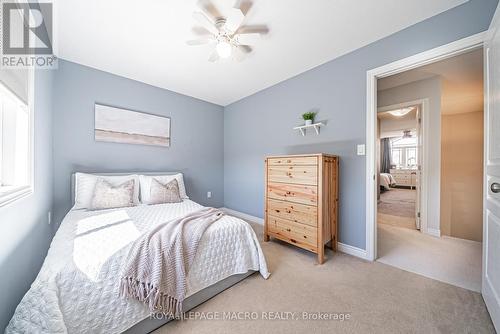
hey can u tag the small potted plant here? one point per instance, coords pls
(309, 117)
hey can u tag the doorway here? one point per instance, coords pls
(416, 242)
(399, 159)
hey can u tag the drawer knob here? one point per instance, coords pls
(288, 230)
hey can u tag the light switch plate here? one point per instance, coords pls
(209, 194)
(361, 149)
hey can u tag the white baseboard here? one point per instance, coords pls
(243, 215)
(434, 232)
(344, 248)
(351, 250)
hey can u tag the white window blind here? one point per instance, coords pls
(15, 147)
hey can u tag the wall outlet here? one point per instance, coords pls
(209, 194)
(361, 149)
(49, 217)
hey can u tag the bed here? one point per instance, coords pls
(387, 181)
(77, 288)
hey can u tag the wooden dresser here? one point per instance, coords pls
(405, 177)
(301, 200)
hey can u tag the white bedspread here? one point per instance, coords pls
(387, 180)
(76, 290)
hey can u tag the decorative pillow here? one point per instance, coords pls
(107, 196)
(85, 185)
(146, 181)
(164, 193)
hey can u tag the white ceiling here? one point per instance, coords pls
(145, 40)
(461, 79)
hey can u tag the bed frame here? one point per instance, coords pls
(149, 324)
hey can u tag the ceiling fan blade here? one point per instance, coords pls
(214, 57)
(259, 28)
(234, 20)
(244, 6)
(205, 22)
(239, 54)
(247, 39)
(209, 8)
(200, 31)
(201, 41)
(245, 48)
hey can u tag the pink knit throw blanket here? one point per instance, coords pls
(159, 260)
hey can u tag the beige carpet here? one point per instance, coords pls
(378, 297)
(450, 260)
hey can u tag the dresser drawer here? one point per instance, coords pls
(293, 174)
(292, 161)
(293, 193)
(301, 235)
(299, 213)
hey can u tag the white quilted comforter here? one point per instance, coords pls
(76, 290)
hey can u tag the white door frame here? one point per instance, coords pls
(418, 60)
(424, 133)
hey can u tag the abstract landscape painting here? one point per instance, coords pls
(130, 127)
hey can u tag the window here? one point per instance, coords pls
(15, 147)
(404, 152)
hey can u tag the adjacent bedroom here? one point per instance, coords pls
(399, 161)
(249, 166)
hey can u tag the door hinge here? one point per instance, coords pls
(418, 214)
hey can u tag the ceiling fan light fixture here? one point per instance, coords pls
(224, 49)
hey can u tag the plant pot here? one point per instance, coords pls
(309, 121)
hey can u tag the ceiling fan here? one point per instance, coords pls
(225, 32)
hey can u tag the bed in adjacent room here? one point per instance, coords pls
(77, 289)
(387, 181)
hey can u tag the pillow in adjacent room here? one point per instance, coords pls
(85, 185)
(108, 196)
(146, 181)
(164, 193)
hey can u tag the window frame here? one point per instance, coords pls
(9, 196)
(403, 152)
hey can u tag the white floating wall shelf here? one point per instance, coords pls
(303, 128)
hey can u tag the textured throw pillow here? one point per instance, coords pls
(107, 196)
(164, 193)
(145, 181)
(85, 186)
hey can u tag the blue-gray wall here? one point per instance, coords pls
(196, 134)
(261, 124)
(25, 234)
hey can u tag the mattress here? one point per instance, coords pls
(76, 290)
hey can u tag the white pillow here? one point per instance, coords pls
(107, 196)
(85, 185)
(164, 179)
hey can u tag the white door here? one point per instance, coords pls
(491, 226)
(418, 173)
